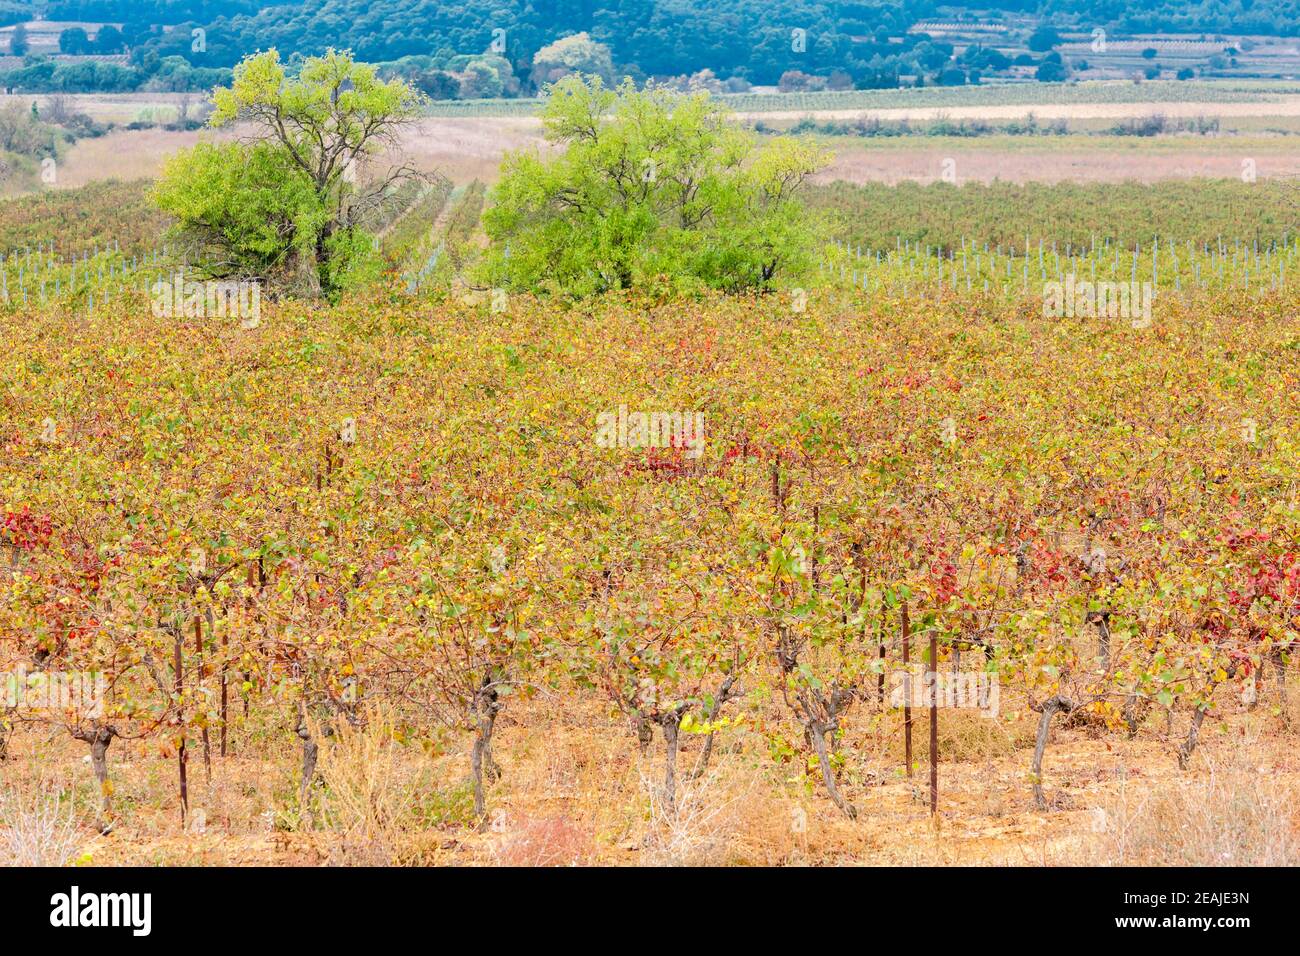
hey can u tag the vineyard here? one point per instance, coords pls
(104, 214)
(422, 577)
(1154, 92)
(1221, 213)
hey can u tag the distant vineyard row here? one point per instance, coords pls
(1009, 94)
(877, 216)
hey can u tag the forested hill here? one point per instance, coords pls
(858, 43)
(665, 37)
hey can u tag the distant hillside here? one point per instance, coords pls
(796, 44)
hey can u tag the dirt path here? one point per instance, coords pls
(857, 164)
(471, 148)
(1282, 106)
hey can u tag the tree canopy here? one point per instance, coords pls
(745, 41)
(650, 184)
(294, 192)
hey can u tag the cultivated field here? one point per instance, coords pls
(259, 533)
(439, 574)
(466, 140)
(1158, 94)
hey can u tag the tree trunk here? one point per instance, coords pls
(99, 737)
(907, 695)
(645, 732)
(304, 278)
(669, 724)
(818, 734)
(724, 694)
(706, 752)
(1133, 714)
(476, 776)
(179, 674)
(225, 645)
(1278, 656)
(1050, 708)
(486, 706)
(1102, 620)
(491, 769)
(934, 724)
(1193, 732)
(880, 678)
(198, 650)
(99, 763)
(310, 751)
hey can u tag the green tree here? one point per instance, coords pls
(248, 207)
(1052, 69)
(1043, 39)
(438, 85)
(18, 45)
(310, 137)
(481, 82)
(651, 184)
(109, 39)
(574, 54)
(73, 41)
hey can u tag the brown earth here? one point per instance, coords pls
(575, 790)
(858, 164)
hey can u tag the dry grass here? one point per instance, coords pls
(547, 841)
(38, 827)
(1229, 813)
(470, 148)
(576, 792)
(979, 161)
(123, 154)
(109, 107)
(380, 799)
(700, 826)
(964, 735)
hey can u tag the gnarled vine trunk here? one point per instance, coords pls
(645, 732)
(1279, 656)
(725, 693)
(310, 751)
(1193, 734)
(1102, 620)
(670, 723)
(818, 710)
(1051, 707)
(817, 733)
(99, 736)
(485, 706)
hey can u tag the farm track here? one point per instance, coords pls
(1282, 106)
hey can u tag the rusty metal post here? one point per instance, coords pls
(907, 694)
(934, 724)
(880, 678)
(180, 721)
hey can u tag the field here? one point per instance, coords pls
(1148, 95)
(1218, 212)
(900, 161)
(438, 574)
(465, 140)
(259, 534)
